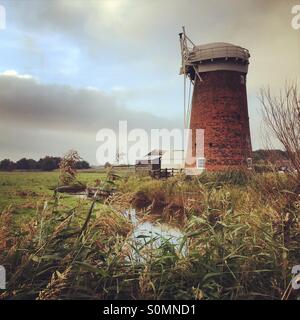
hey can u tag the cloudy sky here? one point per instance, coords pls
(71, 67)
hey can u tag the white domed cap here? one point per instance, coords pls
(217, 50)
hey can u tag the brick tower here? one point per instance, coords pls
(218, 114)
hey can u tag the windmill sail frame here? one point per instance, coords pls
(189, 71)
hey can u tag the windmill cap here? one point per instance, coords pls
(217, 50)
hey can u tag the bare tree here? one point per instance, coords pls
(282, 116)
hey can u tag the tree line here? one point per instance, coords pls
(47, 163)
(271, 155)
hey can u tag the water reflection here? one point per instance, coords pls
(155, 234)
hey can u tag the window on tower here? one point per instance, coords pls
(249, 162)
(201, 163)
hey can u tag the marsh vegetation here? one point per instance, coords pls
(239, 237)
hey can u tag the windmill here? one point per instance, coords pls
(215, 105)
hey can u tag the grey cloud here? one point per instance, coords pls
(27, 102)
(39, 119)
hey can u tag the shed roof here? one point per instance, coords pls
(156, 152)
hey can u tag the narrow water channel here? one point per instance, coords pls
(154, 233)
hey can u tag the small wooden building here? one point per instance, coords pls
(150, 162)
(160, 163)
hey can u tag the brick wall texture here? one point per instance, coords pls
(219, 106)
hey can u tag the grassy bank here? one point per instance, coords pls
(241, 231)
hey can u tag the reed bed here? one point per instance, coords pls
(241, 240)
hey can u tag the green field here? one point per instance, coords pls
(25, 191)
(241, 234)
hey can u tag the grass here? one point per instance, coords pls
(241, 231)
(25, 191)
